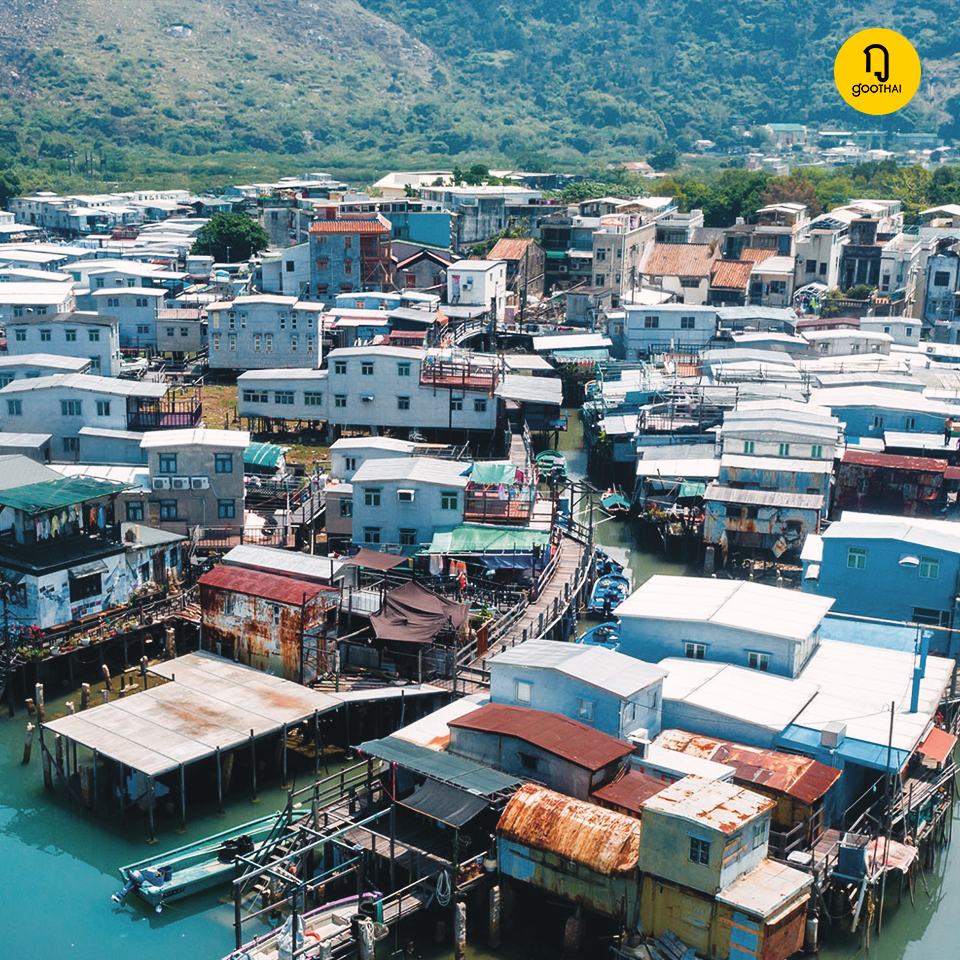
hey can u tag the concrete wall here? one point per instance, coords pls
(254, 334)
(670, 319)
(136, 309)
(422, 516)
(99, 342)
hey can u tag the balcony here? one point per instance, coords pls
(167, 413)
(464, 374)
(57, 554)
(483, 504)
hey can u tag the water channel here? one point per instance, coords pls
(58, 864)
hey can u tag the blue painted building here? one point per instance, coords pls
(729, 621)
(613, 693)
(871, 411)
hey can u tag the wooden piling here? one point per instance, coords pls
(460, 930)
(143, 671)
(105, 695)
(107, 678)
(71, 707)
(28, 744)
(219, 784)
(253, 767)
(493, 933)
(38, 699)
(31, 707)
(84, 696)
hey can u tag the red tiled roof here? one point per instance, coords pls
(377, 225)
(865, 459)
(551, 732)
(270, 586)
(679, 260)
(756, 254)
(731, 274)
(509, 248)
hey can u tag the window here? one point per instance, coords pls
(760, 833)
(350, 463)
(585, 710)
(223, 463)
(226, 509)
(339, 367)
(856, 558)
(232, 343)
(598, 281)
(941, 278)
(312, 398)
(523, 691)
(403, 369)
(95, 365)
(113, 301)
(688, 323)
(70, 408)
(528, 761)
(216, 341)
(168, 509)
(135, 511)
(699, 851)
(689, 282)
(257, 342)
(601, 254)
(275, 613)
(99, 282)
(449, 500)
(348, 266)
(20, 335)
(143, 329)
(71, 445)
(44, 336)
(878, 423)
(366, 368)
(82, 588)
(255, 396)
(910, 423)
(70, 336)
(184, 331)
(323, 263)
(371, 534)
(929, 568)
(346, 508)
(456, 403)
(816, 451)
(283, 397)
(142, 302)
(748, 446)
(340, 400)
(5, 378)
(294, 343)
(758, 661)
(268, 342)
(15, 408)
(103, 408)
(288, 265)
(403, 403)
(170, 331)
(168, 462)
(408, 537)
(347, 243)
(695, 651)
(651, 323)
(932, 618)
(480, 405)
(811, 266)
(823, 270)
(371, 496)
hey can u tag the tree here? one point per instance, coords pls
(230, 237)
(9, 186)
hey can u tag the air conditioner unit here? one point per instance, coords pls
(180, 483)
(200, 483)
(161, 483)
(406, 496)
(367, 399)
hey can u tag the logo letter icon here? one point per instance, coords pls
(883, 74)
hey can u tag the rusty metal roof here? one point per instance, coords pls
(731, 274)
(629, 791)
(603, 841)
(711, 804)
(865, 459)
(270, 586)
(509, 248)
(803, 779)
(551, 732)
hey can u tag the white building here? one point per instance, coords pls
(666, 326)
(401, 502)
(481, 283)
(348, 454)
(30, 298)
(135, 307)
(88, 336)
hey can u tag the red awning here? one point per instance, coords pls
(938, 745)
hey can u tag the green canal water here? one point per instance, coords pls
(58, 864)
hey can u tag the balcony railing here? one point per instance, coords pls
(459, 373)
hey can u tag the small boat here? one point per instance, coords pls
(195, 867)
(604, 563)
(605, 635)
(608, 593)
(552, 462)
(615, 504)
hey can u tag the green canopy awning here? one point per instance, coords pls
(493, 472)
(263, 455)
(482, 537)
(690, 488)
(55, 494)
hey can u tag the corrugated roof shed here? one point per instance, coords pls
(600, 840)
(550, 732)
(452, 473)
(629, 791)
(54, 494)
(679, 260)
(891, 462)
(90, 384)
(284, 562)
(545, 390)
(766, 888)
(256, 583)
(763, 498)
(709, 803)
(487, 538)
(195, 436)
(509, 248)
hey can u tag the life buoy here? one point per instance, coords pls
(312, 933)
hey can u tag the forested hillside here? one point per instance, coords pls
(201, 86)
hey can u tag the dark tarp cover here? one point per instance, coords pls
(413, 614)
(449, 805)
(375, 560)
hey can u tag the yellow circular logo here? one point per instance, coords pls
(877, 71)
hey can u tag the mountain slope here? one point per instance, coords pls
(378, 82)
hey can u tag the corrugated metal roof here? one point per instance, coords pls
(800, 777)
(600, 840)
(763, 498)
(509, 248)
(918, 441)
(373, 443)
(570, 341)
(281, 376)
(272, 559)
(629, 791)
(195, 436)
(256, 583)
(892, 462)
(918, 531)
(90, 384)
(446, 767)
(938, 745)
(546, 390)
(16, 470)
(451, 473)
(50, 360)
(569, 739)
(709, 803)
(679, 260)
(737, 604)
(696, 469)
(55, 494)
(432, 731)
(786, 464)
